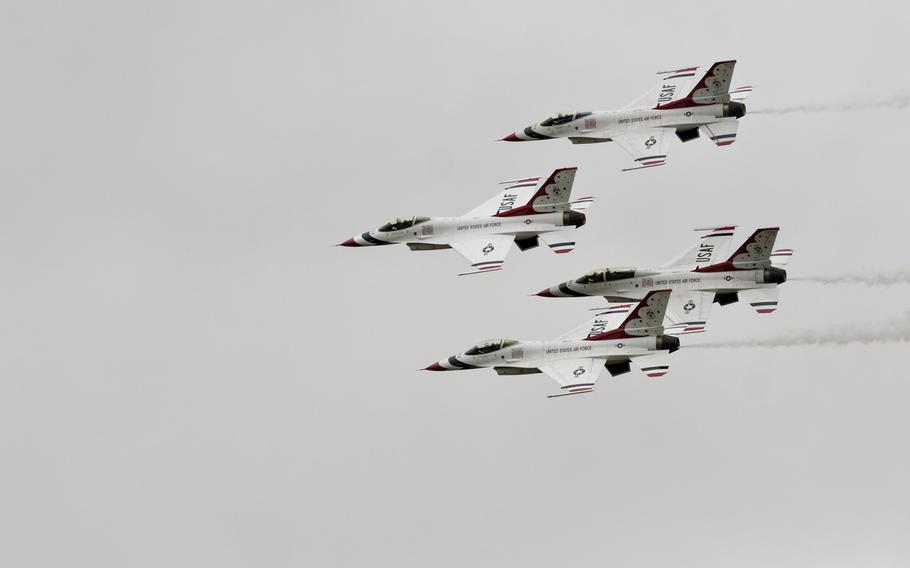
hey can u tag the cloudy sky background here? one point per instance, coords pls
(192, 375)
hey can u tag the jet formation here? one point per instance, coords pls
(648, 308)
(687, 102)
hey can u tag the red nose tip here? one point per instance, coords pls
(348, 243)
(511, 138)
(434, 367)
(546, 293)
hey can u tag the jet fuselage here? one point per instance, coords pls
(533, 354)
(644, 281)
(600, 126)
(440, 230)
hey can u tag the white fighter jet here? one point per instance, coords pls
(698, 278)
(527, 210)
(618, 335)
(685, 102)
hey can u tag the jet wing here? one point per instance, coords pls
(647, 146)
(574, 376)
(608, 318)
(687, 312)
(722, 133)
(762, 300)
(672, 86)
(710, 248)
(485, 254)
(517, 191)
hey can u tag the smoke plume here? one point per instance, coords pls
(888, 331)
(897, 101)
(868, 278)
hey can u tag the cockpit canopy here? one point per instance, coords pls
(606, 275)
(489, 346)
(563, 118)
(402, 223)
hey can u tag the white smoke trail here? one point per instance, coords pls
(870, 278)
(889, 331)
(898, 101)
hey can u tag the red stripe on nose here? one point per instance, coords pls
(435, 367)
(546, 293)
(349, 243)
(511, 138)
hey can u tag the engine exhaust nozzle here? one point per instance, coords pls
(667, 343)
(735, 109)
(775, 275)
(572, 217)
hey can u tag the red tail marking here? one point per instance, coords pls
(528, 208)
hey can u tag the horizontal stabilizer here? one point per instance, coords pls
(560, 242)
(722, 133)
(762, 300)
(781, 257)
(740, 94)
(582, 204)
(654, 365)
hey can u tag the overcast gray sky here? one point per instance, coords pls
(191, 375)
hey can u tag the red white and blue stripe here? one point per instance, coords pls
(781, 256)
(582, 203)
(685, 327)
(656, 370)
(563, 247)
(721, 232)
(741, 92)
(764, 307)
(724, 139)
(618, 309)
(580, 388)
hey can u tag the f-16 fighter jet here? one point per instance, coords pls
(527, 210)
(698, 278)
(620, 334)
(685, 102)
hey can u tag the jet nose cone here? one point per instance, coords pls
(545, 293)
(433, 367)
(348, 243)
(511, 138)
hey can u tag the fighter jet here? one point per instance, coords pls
(697, 277)
(525, 211)
(575, 359)
(685, 102)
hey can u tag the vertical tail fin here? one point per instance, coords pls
(755, 252)
(646, 318)
(713, 87)
(551, 195)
